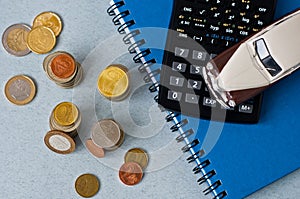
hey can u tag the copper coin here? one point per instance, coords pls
(87, 185)
(63, 66)
(94, 149)
(131, 173)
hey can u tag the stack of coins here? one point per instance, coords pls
(113, 82)
(107, 134)
(21, 39)
(62, 68)
(65, 117)
(20, 90)
(64, 121)
(131, 172)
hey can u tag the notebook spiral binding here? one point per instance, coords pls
(122, 26)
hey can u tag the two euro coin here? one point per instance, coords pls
(14, 39)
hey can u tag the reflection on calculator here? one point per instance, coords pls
(216, 25)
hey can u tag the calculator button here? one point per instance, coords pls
(246, 108)
(194, 84)
(176, 96)
(199, 55)
(198, 39)
(191, 98)
(182, 35)
(176, 81)
(209, 102)
(184, 23)
(182, 52)
(187, 9)
(196, 70)
(180, 67)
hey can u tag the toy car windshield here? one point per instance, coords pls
(268, 61)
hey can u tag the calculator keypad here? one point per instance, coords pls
(216, 25)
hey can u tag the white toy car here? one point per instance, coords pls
(249, 67)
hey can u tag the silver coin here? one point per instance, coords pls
(106, 134)
(14, 40)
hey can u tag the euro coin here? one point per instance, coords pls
(14, 39)
(137, 155)
(65, 128)
(50, 20)
(107, 134)
(63, 66)
(131, 173)
(59, 142)
(113, 82)
(65, 113)
(94, 149)
(41, 40)
(87, 185)
(20, 90)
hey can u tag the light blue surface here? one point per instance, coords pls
(30, 170)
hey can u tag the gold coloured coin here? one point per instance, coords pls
(50, 20)
(113, 82)
(87, 185)
(14, 39)
(137, 155)
(65, 113)
(20, 90)
(41, 40)
(59, 142)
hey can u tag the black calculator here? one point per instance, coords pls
(199, 30)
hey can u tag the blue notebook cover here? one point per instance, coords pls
(235, 159)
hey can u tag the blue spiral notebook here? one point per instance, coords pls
(234, 159)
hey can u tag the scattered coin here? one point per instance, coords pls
(14, 39)
(50, 20)
(137, 155)
(87, 185)
(62, 68)
(107, 134)
(41, 40)
(113, 82)
(59, 142)
(94, 149)
(20, 90)
(131, 173)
